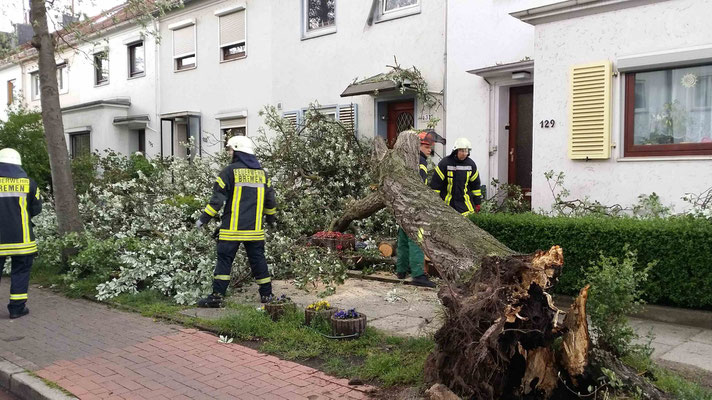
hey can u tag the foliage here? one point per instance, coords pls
(23, 131)
(508, 198)
(681, 245)
(410, 79)
(319, 305)
(577, 207)
(700, 203)
(672, 383)
(650, 206)
(616, 291)
(283, 299)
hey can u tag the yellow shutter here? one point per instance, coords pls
(590, 111)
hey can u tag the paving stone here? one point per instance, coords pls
(692, 353)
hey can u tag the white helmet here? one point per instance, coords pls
(241, 143)
(10, 156)
(462, 143)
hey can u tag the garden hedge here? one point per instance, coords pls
(682, 247)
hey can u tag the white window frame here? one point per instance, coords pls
(108, 75)
(63, 68)
(382, 15)
(35, 89)
(180, 25)
(129, 46)
(327, 30)
(227, 11)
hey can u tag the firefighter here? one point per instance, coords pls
(19, 202)
(247, 193)
(457, 180)
(410, 256)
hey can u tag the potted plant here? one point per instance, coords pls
(320, 308)
(279, 306)
(348, 323)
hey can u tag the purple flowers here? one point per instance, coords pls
(344, 314)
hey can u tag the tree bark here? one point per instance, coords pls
(66, 204)
(361, 209)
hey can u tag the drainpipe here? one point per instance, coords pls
(444, 130)
(157, 69)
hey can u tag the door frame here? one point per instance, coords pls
(404, 107)
(513, 125)
(380, 112)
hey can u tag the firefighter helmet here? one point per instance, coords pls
(462, 143)
(241, 143)
(10, 156)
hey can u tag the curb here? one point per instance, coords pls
(26, 386)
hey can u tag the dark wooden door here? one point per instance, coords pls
(521, 107)
(401, 117)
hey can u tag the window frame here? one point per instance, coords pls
(35, 90)
(178, 59)
(63, 68)
(630, 149)
(11, 84)
(72, 145)
(382, 15)
(399, 9)
(224, 47)
(131, 56)
(317, 32)
(96, 70)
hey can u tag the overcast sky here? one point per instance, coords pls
(11, 11)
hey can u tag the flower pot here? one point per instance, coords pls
(309, 315)
(276, 310)
(348, 327)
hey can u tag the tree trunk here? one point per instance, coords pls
(358, 210)
(66, 204)
(497, 340)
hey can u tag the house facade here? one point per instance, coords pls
(535, 85)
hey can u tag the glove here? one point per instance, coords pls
(199, 224)
(477, 208)
(271, 220)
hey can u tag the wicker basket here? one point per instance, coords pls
(276, 311)
(348, 327)
(309, 315)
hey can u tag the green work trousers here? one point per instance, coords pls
(410, 257)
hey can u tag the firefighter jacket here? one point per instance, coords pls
(423, 167)
(19, 202)
(458, 183)
(247, 194)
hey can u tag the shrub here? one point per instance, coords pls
(24, 132)
(681, 245)
(616, 289)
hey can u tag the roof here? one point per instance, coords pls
(118, 102)
(378, 83)
(504, 70)
(575, 8)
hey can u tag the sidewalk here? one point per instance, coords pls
(96, 352)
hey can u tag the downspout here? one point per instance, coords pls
(444, 130)
(157, 67)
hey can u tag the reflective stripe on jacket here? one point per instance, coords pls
(458, 183)
(247, 195)
(19, 202)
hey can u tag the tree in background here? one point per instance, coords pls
(23, 132)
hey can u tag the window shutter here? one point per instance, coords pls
(232, 122)
(232, 28)
(347, 116)
(291, 117)
(590, 116)
(184, 41)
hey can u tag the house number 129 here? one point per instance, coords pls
(547, 123)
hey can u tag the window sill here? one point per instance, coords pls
(136, 76)
(233, 59)
(96, 85)
(396, 15)
(318, 33)
(185, 69)
(664, 158)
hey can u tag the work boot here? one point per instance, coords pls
(423, 281)
(266, 298)
(213, 301)
(401, 275)
(18, 314)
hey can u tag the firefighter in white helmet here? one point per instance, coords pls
(457, 179)
(246, 192)
(19, 202)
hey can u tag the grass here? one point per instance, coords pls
(672, 383)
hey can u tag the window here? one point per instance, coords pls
(62, 78)
(390, 6)
(80, 144)
(101, 68)
(669, 112)
(137, 63)
(232, 35)
(231, 132)
(184, 45)
(10, 91)
(35, 84)
(142, 141)
(319, 17)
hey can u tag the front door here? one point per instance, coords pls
(521, 102)
(401, 117)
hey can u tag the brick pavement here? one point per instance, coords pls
(99, 353)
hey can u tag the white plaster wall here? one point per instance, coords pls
(482, 34)
(664, 26)
(7, 73)
(280, 67)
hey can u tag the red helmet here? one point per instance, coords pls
(426, 138)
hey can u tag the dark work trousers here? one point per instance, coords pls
(19, 280)
(255, 256)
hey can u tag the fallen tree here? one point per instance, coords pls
(503, 337)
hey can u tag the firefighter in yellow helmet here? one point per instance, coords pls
(246, 191)
(457, 179)
(19, 202)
